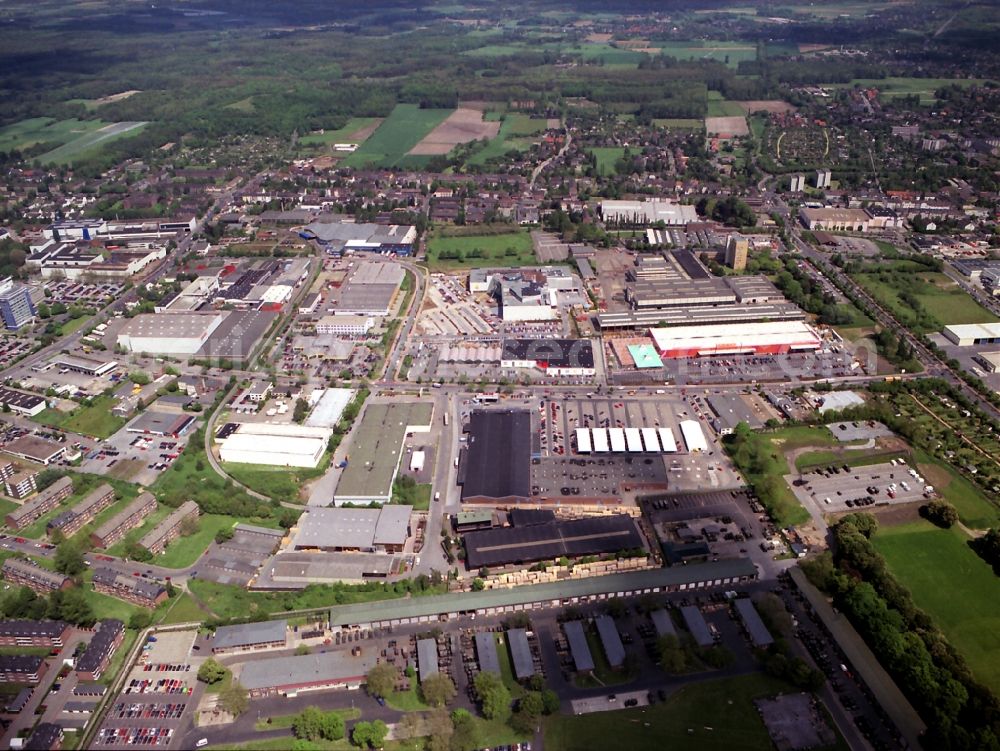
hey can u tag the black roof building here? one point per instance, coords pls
(541, 542)
(20, 663)
(44, 737)
(100, 645)
(523, 517)
(555, 353)
(30, 629)
(497, 463)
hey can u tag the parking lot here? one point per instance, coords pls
(804, 366)
(134, 457)
(74, 293)
(838, 488)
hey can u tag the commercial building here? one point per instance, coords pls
(169, 333)
(988, 361)
(365, 300)
(520, 653)
(146, 593)
(21, 403)
(736, 313)
(776, 337)
(72, 521)
(170, 528)
(23, 573)
(345, 325)
(737, 248)
(328, 406)
(972, 334)
(16, 307)
(35, 449)
(556, 357)
(25, 633)
(694, 437)
(572, 538)
(130, 517)
(281, 445)
(526, 294)
(45, 501)
(625, 440)
(435, 608)
(346, 237)
(648, 212)
(158, 422)
(835, 220)
(614, 650)
(583, 660)
(381, 530)
(377, 449)
(85, 365)
(22, 668)
(663, 623)
(291, 676)
(106, 639)
(496, 465)
(643, 293)
(250, 637)
(755, 628)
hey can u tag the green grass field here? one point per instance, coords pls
(608, 55)
(705, 716)
(894, 87)
(813, 459)
(186, 550)
(507, 667)
(679, 123)
(26, 133)
(938, 295)
(495, 50)
(606, 157)
(407, 701)
(516, 133)
(341, 135)
(161, 513)
(956, 587)
(95, 420)
(728, 53)
(723, 108)
(281, 483)
(973, 508)
(397, 134)
(510, 249)
(183, 610)
(90, 143)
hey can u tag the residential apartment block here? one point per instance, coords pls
(44, 502)
(94, 661)
(72, 521)
(130, 517)
(23, 573)
(25, 633)
(134, 589)
(22, 668)
(170, 528)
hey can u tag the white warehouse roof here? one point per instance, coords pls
(583, 441)
(600, 436)
(693, 436)
(735, 337)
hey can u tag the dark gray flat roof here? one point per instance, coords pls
(610, 640)
(520, 653)
(578, 646)
(498, 460)
(663, 623)
(696, 624)
(759, 634)
(427, 658)
(290, 672)
(250, 633)
(486, 653)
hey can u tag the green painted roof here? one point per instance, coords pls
(457, 602)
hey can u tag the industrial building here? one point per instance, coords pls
(280, 445)
(648, 212)
(376, 450)
(327, 406)
(85, 365)
(250, 637)
(366, 300)
(573, 538)
(21, 403)
(736, 313)
(697, 625)
(556, 357)
(35, 449)
(169, 333)
(520, 653)
(579, 649)
(435, 608)
(16, 307)
(143, 592)
(625, 440)
(972, 334)
(345, 325)
(835, 220)
(44, 502)
(694, 437)
(291, 676)
(344, 237)
(486, 653)
(777, 337)
(106, 639)
(369, 530)
(72, 521)
(157, 422)
(427, 658)
(26, 633)
(21, 572)
(662, 622)
(130, 517)
(988, 361)
(611, 640)
(759, 635)
(157, 539)
(528, 294)
(496, 465)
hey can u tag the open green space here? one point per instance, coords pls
(287, 720)
(280, 483)
(606, 54)
(603, 672)
(855, 458)
(894, 87)
(478, 251)
(340, 135)
(507, 667)
(718, 714)
(27, 133)
(953, 585)
(974, 509)
(94, 420)
(495, 50)
(7, 506)
(119, 655)
(938, 296)
(679, 123)
(407, 701)
(515, 134)
(82, 485)
(728, 53)
(89, 143)
(34, 651)
(283, 743)
(186, 550)
(406, 125)
(184, 609)
(723, 108)
(134, 535)
(606, 157)
(109, 607)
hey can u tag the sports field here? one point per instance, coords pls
(406, 125)
(953, 585)
(89, 143)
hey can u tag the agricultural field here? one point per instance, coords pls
(478, 251)
(28, 133)
(894, 87)
(93, 104)
(941, 300)
(355, 131)
(606, 157)
(91, 142)
(389, 145)
(953, 585)
(516, 132)
(679, 123)
(719, 107)
(607, 55)
(461, 126)
(730, 54)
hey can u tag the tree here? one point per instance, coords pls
(69, 559)
(303, 649)
(381, 679)
(224, 535)
(331, 726)
(190, 526)
(306, 724)
(140, 619)
(465, 737)
(941, 513)
(211, 671)
(301, 410)
(493, 696)
(438, 690)
(673, 658)
(234, 699)
(550, 701)
(71, 605)
(369, 734)
(440, 729)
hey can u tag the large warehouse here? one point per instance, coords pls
(276, 445)
(496, 467)
(169, 333)
(290, 675)
(769, 338)
(972, 334)
(545, 542)
(648, 212)
(368, 530)
(566, 357)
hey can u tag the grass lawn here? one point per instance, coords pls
(679, 123)
(973, 508)
(493, 733)
(679, 723)
(26, 133)
(893, 87)
(729, 53)
(161, 513)
(944, 300)
(516, 132)
(7, 506)
(286, 720)
(506, 667)
(32, 651)
(219, 686)
(109, 607)
(406, 125)
(852, 458)
(83, 484)
(72, 325)
(419, 496)
(341, 135)
(95, 420)
(478, 251)
(407, 701)
(956, 587)
(284, 743)
(184, 610)
(606, 157)
(91, 142)
(602, 670)
(280, 483)
(723, 108)
(186, 550)
(118, 658)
